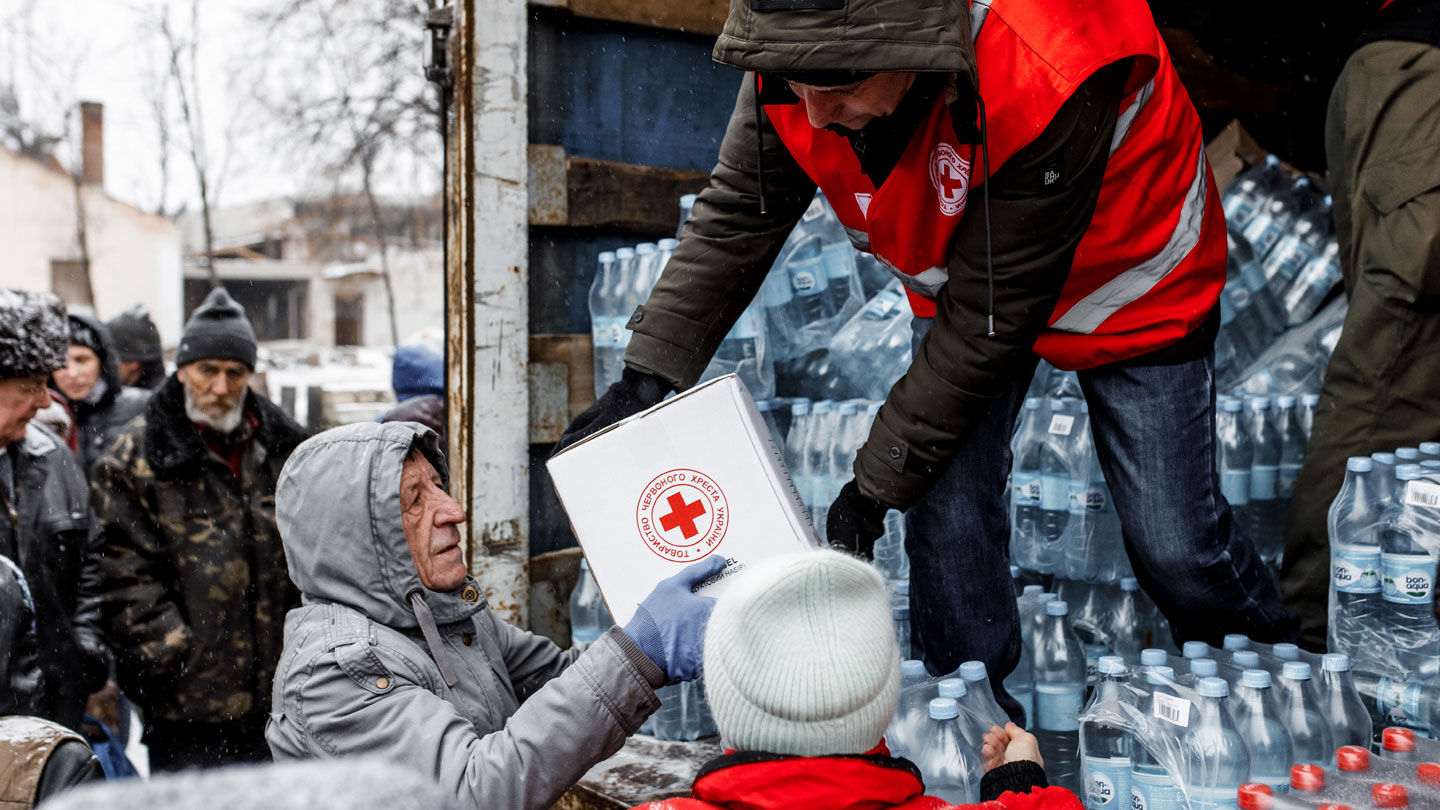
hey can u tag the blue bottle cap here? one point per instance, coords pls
(952, 688)
(606, 256)
(1359, 464)
(1213, 687)
(1310, 400)
(1430, 448)
(625, 252)
(1204, 668)
(1129, 584)
(1246, 659)
(668, 243)
(912, 668)
(1160, 676)
(900, 611)
(1232, 406)
(1335, 662)
(973, 671)
(944, 709)
(1407, 472)
(1195, 649)
(1295, 671)
(1014, 572)
(1033, 590)
(1286, 401)
(584, 564)
(903, 589)
(1236, 641)
(824, 406)
(687, 200)
(1152, 657)
(1048, 597)
(1032, 403)
(1110, 665)
(1430, 465)
(1261, 403)
(1255, 679)
(1286, 651)
(1384, 458)
(1056, 608)
(800, 408)
(1407, 454)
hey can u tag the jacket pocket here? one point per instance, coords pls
(1399, 250)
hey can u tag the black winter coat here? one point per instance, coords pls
(99, 423)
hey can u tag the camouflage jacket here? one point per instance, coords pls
(196, 586)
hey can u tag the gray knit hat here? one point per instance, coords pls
(135, 337)
(217, 330)
(34, 334)
(800, 657)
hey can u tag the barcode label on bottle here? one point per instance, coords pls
(1060, 424)
(1421, 493)
(1172, 709)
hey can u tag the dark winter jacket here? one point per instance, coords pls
(728, 245)
(52, 538)
(427, 409)
(195, 589)
(874, 781)
(97, 423)
(40, 760)
(21, 681)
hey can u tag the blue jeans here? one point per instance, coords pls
(1154, 429)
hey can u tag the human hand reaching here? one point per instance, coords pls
(1010, 744)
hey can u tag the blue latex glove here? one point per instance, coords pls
(670, 624)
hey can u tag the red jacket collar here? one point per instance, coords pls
(758, 781)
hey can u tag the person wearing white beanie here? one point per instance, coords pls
(802, 672)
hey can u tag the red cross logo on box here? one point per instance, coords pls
(950, 174)
(682, 515)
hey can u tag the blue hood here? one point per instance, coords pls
(418, 370)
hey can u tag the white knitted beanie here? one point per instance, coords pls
(800, 657)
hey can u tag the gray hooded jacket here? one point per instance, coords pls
(522, 720)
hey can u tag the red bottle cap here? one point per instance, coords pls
(1310, 778)
(1352, 758)
(1389, 796)
(1253, 796)
(1398, 739)
(1333, 807)
(1428, 772)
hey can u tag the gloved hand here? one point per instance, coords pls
(635, 392)
(670, 624)
(855, 522)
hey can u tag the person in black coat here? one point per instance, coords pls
(91, 388)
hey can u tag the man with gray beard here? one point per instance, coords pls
(196, 586)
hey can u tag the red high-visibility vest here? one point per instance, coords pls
(1150, 266)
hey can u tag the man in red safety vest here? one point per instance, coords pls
(1033, 173)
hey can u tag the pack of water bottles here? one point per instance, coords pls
(1384, 528)
(1358, 780)
(1262, 444)
(940, 725)
(1283, 264)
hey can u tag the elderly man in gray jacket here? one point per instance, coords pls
(395, 653)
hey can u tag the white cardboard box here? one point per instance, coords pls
(696, 475)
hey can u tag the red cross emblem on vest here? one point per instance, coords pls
(950, 174)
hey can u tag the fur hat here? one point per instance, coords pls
(34, 334)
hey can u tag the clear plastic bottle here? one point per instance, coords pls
(1306, 410)
(1152, 787)
(979, 697)
(607, 324)
(589, 618)
(797, 450)
(687, 204)
(971, 725)
(1090, 619)
(1384, 478)
(905, 733)
(1055, 457)
(1340, 701)
(1353, 523)
(1278, 214)
(1250, 189)
(1313, 284)
(1257, 718)
(1292, 453)
(1407, 569)
(901, 615)
(1216, 760)
(1020, 683)
(804, 265)
(1267, 525)
(1299, 709)
(1236, 457)
(1302, 243)
(1127, 622)
(1107, 748)
(1059, 694)
(1025, 488)
(949, 766)
(743, 351)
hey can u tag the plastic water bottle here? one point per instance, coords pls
(1306, 411)
(1304, 241)
(1055, 481)
(1152, 787)
(743, 352)
(906, 730)
(1108, 749)
(1236, 457)
(805, 267)
(1267, 318)
(1127, 623)
(1407, 568)
(1020, 683)
(1089, 618)
(1292, 452)
(687, 204)
(1430, 450)
(1059, 693)
(872, 348)
(1266, 529)
(1250, 189)
(979, 698)
(971, 726)
(607, 323)
(1300, 711)
(1353, 520)
(797, 442)
(901, 615)
(1257, 718)
(1340, 701)
(1216, 760)
(589, 619)
(1313, 284)
(1277, 215)
(1025, 488)
(949, 765)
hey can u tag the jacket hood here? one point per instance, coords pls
(783, 36)
(109, 363)
(418, 369)
(751, 780)
(338, 509)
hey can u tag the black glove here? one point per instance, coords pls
(635, 392)
(855, 522)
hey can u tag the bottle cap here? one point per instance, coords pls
(1407, 454)
(645, 248)
(1236, 641)
(899, 612)
(824, 406)
(973, 671)
(1253, 796)
(584, 564)
(1428, 773)
(1129, 584)
(1032, 403)
(800, 408)
(1307, 777)
(849, 409)
(1048, 597)
(1352, 758)
(912, 668)
(1014, 572)
(1232, 406)
(1359, 464)
(1204, 668)
(1246, 659)
(1032, 590)
(1152, 657)
(1056, 608)
(606, 256)
(1285, 401)
(1110, 665)
(1310, 399)
(1195, 649)
(1286, 651)
(1295, 671)
(1160, 676)
(1430, 448)
(1388, 795)
(687, 200)
(1213, 687)
(1335, 662)
(625, 252)
(1261, 403)
(1407, 472)
(944, 709)
(1255, 679)
(1397, 739)
(1430, 464)
(1383, 458)
(952, 688)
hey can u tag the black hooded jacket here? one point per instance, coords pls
(100, 421)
